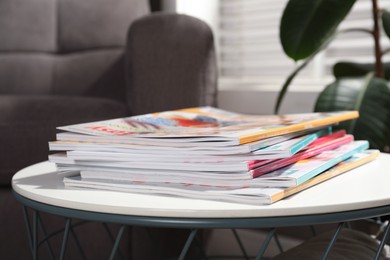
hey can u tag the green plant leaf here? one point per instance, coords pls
(307, 24)
(351, 69)
(371, 97)
(386, 22)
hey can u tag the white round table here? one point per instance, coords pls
(358, 194)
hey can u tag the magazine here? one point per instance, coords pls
(292, 146)
(227, 163)
(320, 145)
(207, 124)
(285, 177)
(280, 150)
(355, 161)
(67, 141)
(125, 173)
(245, 195)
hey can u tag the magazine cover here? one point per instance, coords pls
(209, 124)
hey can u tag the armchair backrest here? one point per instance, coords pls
(171, 64)
(65, 47)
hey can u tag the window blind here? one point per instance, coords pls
(251, 53)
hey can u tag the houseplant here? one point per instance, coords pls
(307, 27)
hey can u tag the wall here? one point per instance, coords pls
(262, 102)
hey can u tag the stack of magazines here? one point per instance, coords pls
(209, 153)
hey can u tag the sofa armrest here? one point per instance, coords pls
(170, 63)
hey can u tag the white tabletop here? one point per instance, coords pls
(365, 187)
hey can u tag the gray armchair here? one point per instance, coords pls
(72, 61)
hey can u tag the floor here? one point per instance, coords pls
(222, 244)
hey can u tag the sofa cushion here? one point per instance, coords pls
(27, 123)
(53, 26)
(98, 73)
(28, 25)
(84, 25)
(26, 73)
(350, 245)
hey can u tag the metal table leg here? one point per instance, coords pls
(117, 240)
(383, 242)
(265, 244)
(188, 244)
(334, 238)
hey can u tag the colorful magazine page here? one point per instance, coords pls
(251, 195)
(354, 161)
(312, 149)
(320, 145)
(306, 169)
(209, 124)
(292, 146)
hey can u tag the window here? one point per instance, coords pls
(251, 55)
(252, 63)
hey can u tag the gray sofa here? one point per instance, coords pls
(71, 61)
